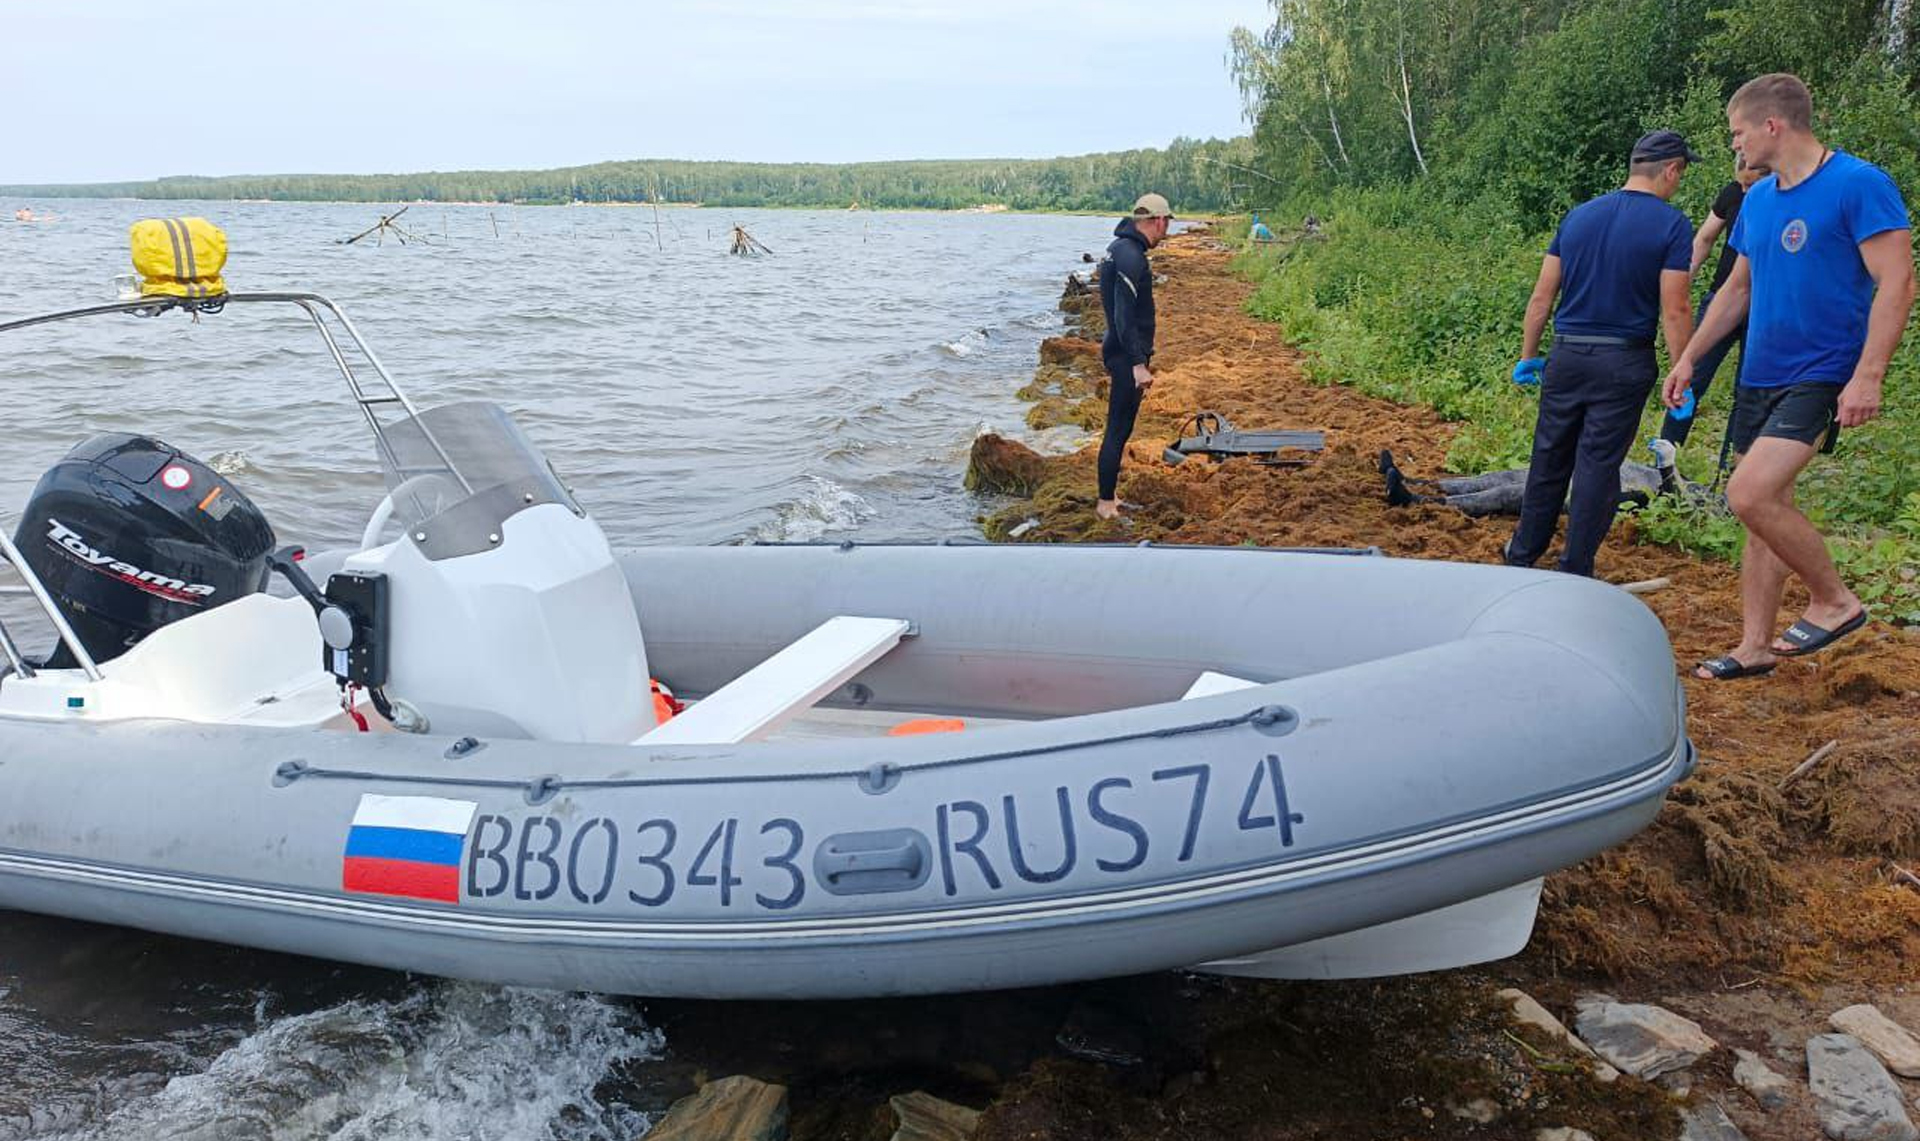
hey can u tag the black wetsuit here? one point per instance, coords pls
(1727, 208)
(1503, 492)
(1126, 297)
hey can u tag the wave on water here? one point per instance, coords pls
(823, 507)
(449, 1060)
(1045, 320)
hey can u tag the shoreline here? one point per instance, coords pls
(1752, 909)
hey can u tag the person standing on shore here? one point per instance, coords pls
(1126, 298)
(1719, 220)
(1619, 265)
(1824, 282)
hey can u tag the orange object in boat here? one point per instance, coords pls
(927, 725)
(665, 705)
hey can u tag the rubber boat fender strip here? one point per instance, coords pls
(849, 545)
(1272, 720)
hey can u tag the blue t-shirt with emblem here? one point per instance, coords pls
(1811, 290)
(1612, 251)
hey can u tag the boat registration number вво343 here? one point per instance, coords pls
(444, 850)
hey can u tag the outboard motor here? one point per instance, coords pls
(129, 534)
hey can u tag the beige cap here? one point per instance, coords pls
(1152, 206)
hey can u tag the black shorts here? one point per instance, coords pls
(1807, 413)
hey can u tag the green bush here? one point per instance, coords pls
(1419, 300)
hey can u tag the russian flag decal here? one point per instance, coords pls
(408, 846)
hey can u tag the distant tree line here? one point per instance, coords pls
(1195, 174)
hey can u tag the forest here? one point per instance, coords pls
(1438, 142)
(1196, 175)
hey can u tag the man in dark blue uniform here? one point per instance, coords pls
(1126, 297)
(1619, 265)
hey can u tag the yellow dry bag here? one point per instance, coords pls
(179, 257)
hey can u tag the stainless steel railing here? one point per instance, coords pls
(366, 397)
(60, 624)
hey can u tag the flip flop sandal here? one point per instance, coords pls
(1806, 638)
(1726, 667)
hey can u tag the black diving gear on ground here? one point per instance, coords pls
(1500, 492)
(1213, 435)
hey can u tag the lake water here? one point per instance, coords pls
(688, 396)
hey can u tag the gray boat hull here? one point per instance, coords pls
(1424, 734)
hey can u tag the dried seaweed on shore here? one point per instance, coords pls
(1736, 875)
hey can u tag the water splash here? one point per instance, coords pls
(823, 507)
(966, 344)
(230, 463)
(449, 1060)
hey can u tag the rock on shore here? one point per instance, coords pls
(924, 1117)
(1645, 1041)
(1892, 1043)
(731, 1109)
(1858, 1100)
(1768, 1088)
(999, 466)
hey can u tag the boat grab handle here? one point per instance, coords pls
(870, 863)
(370, 536)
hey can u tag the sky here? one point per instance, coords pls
(108, 90)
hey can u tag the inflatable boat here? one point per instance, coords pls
(442, 751)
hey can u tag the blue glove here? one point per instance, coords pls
(1528, 372)
(1685, 411)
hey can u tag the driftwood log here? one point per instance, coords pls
(387, 223)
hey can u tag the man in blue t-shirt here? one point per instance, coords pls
(1620, 265)
(1824, 283)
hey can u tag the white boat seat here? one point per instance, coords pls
(758, 702)
(1210, 683)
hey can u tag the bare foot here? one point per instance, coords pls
(1825, 617)
(1107, 508)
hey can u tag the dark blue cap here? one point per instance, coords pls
(1662, 146)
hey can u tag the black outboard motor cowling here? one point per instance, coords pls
(129, 534)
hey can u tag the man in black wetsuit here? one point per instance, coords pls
(1726, 209)
(1126, 297)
